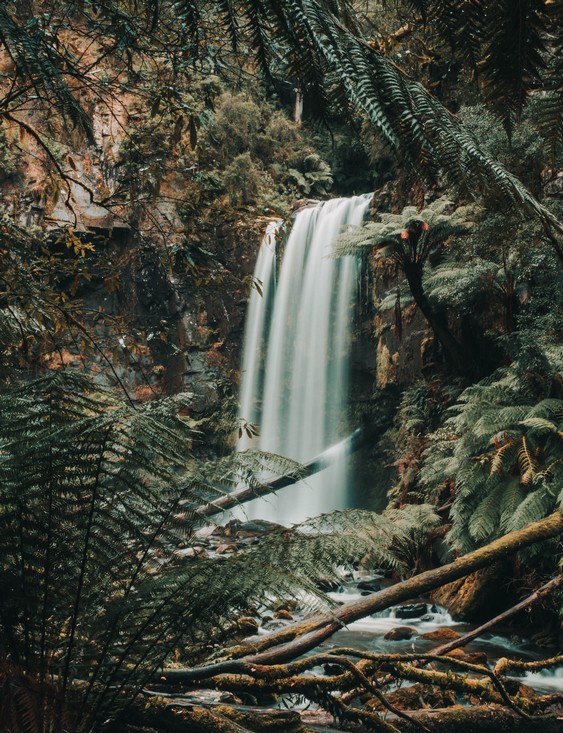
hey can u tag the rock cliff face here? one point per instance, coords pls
(171, 269)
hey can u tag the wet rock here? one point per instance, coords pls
(411, 610)
(370, 585)
(283, 614)
(400, 633)
(247, 625)
(289, 604)
(327, 585)
(332, 669)
(444, 634)
(416, 697)
(248, 541)
(479, 596)
(471, 657)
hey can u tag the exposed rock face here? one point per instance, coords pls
(180, 330)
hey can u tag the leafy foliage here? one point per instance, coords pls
(502, 449)
(505, 43)
(407, 237)
(96, 498)
(327, 58)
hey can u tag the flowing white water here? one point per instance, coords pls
(295, 364)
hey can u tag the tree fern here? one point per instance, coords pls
(505, 449)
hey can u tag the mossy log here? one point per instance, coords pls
(479, 719)
(171, 717)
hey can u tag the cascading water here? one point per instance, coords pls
(295, 364)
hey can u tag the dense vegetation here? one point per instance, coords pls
(133, 134)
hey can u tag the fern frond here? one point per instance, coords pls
(527, 461)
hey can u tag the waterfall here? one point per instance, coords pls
(296, 350)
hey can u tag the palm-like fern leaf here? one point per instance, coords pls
(506, 457)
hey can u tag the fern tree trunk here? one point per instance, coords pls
(454, 353)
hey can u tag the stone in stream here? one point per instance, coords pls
(410, 610)
(471, 657)
(443, 634)
(400, 633)
(247, 625)
(327, 585)
(415, 697)
(369, 585)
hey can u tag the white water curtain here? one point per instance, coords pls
(296, 354)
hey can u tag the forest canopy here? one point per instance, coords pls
(143, 148)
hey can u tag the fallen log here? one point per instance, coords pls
(349, 445)
(479, 719)
(311, 632)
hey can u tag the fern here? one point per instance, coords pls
(504, 453)
(95, 498)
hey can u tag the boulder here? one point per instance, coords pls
(479, 596)
(247, 625)
(443, 634)
(224, 549)
(471, 657)
(328, 585)
(416, 697)
(370, 585)
(400, 633)
(410, 610)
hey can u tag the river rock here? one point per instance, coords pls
(443, 634)
(400, 633)
(247, 625)
(415, 697)
(471, 657)
(289, 604)
(370, 585)
(410, 610)
(327, 585)
(224, 549)
(283, 614)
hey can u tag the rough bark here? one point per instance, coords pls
(454, 353)
(310, 633)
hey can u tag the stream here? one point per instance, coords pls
(369, 634)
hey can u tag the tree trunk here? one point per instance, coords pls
(322, 461)
(479, 719)
(454, 353)
(545, 590)
(311, 632)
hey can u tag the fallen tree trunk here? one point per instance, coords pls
(308, 634)
(479, 719)
(322, 461)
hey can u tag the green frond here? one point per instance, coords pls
(527, 461)
(486, 515)
(535, 506)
